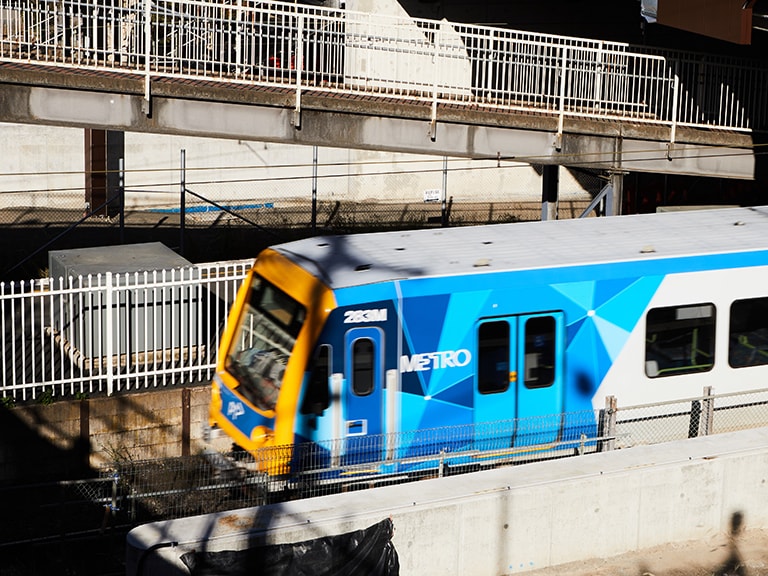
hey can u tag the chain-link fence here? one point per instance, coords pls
(86, 520)
(136, 491)
(395, 195)
(233, 210)
(128, 492)
(688, 418)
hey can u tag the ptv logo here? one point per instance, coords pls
(235, 410)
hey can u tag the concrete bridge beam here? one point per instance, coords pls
(257, 114)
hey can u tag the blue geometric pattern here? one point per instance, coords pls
(599, 316)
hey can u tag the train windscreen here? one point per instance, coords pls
(266, 333)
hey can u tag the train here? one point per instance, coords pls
(346, 342)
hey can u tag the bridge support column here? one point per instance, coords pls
(550, 182)
(103, 151)
(613, 201)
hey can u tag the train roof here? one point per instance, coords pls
(357, 259)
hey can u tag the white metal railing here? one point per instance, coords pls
(303, 47)
(113, 332)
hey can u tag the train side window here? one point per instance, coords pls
(363, 363)
(493, 357)
(539, 369)
(318, 396)
(748, 333)
(679, 340)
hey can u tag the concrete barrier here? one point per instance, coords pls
(507, 520)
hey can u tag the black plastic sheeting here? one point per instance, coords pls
(367, 552)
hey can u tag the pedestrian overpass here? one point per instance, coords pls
(292, 73)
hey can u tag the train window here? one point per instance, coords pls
(748, 333)
(318, 397)
(539, 366)
(283, 309)
(363, 363)
(679, 340)
(262, 343)
(493, 357)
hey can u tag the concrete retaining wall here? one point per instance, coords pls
(45, 169)
(63, 439)
(509, 520)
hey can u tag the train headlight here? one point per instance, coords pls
(216, 402)
(260, 435)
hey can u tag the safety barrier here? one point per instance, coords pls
(205, 483)
(308, 48)
(110, 332)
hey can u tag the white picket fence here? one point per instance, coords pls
(109, 333)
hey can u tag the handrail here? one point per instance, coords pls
(302, 47)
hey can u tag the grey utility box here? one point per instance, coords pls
(136, 318)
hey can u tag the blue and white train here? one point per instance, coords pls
(362, 336)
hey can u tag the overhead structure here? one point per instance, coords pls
(729, 20)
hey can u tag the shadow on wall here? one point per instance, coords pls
(59, 514)
(733, 565)
(42, 500)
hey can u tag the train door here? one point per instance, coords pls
(519, 377)
(363, 395)
(496, 389)
(540, 382)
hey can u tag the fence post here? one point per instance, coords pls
(707, 412)
(108, 333)
(84, 442)
(182, 199)
(607, 425)
(314, 188)
(694, 424)
(185, 420)
(121, 195)
(443, 213)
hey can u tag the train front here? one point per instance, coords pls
(273, 325)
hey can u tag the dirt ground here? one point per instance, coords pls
(723, 555)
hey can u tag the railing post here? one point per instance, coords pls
(147, 55)
(599, 73)
(673, 129)
(239, 38)
(298, 67)
(436, 72)
(561, 114)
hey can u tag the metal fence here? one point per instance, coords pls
(111, 332)
(161, 489)
(308, 48)
(128, 492)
